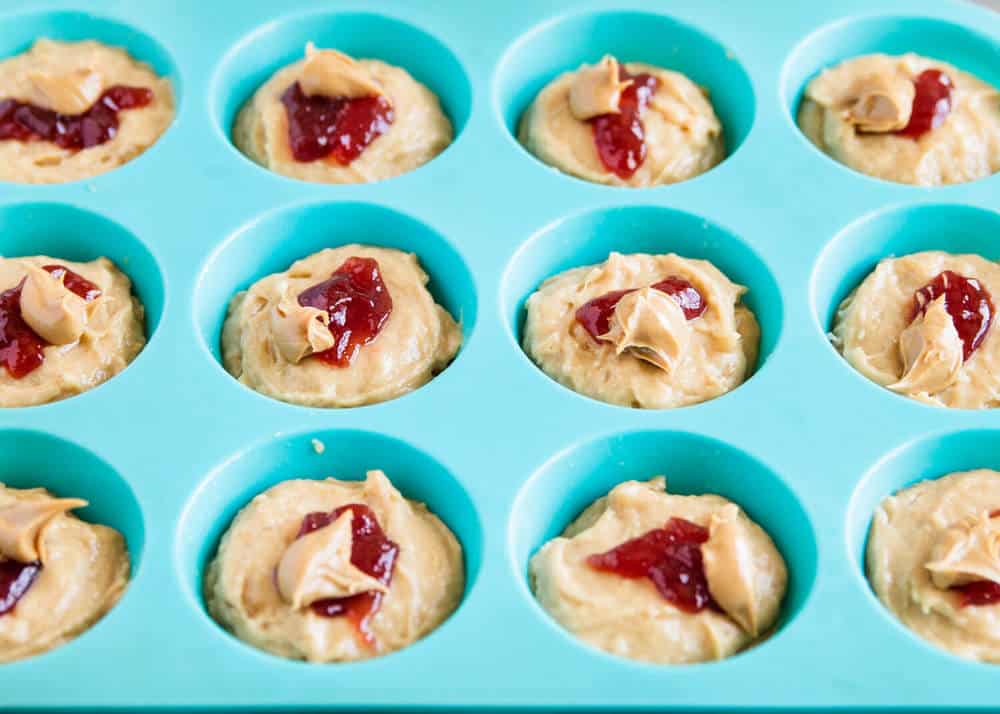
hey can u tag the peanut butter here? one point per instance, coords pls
(651, 326)
(596, 89)
(299, 331)
(333, 74)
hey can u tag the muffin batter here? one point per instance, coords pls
(58, 575)
(899, 329)
(69, 79)
(907, 118)
(272, 342)
(268, 578)
(652, 351)
(82, 341)
(392, 123)
(729, 600)
(934, 561)
(586, 123)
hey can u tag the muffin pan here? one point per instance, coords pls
(170, 449)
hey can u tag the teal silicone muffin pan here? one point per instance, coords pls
(168, 451)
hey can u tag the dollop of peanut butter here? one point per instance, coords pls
(299, 331)
(729, 569)
(22, 523)
(318, 566)
(66, 92)
(333, 74)
(967, 552)
(932, 352)
(877, 98)
(596, 89)
(55, 313)
(650, 325)
(883, 102)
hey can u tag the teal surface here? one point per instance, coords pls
(169, 450)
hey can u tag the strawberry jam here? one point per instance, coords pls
(16, 578)
(980, 592)
(74, 282)
(931, 104)
(967, 302)
(620, 137)
(23, 121)
(358, 304)
(371, 553)
(595, 315)
(340, 127)
(670, 557)
(21, 350)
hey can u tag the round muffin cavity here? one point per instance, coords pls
(628, 124)
(332, 119)
(933, 561)
(79, 320)
(670, 331)
(307, 592)
(922, 326)
(662, 578)
(58, 574)
(273, 343)
(64, 82)
(905, 118)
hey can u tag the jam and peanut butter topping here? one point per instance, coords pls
(339, 565)
(71, 110)
(649, 323)
(893, 102)
(949, 320)
(48, 307)
(335, 110)
(613, 101)
(357, 305)
(967, 303)
(595, 315)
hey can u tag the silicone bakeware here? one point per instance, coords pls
(168, 451)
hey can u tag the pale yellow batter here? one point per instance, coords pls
(263, 579)
(68, 77)
(653, 358)
(853, 110)
(683, 136)
(746, 576)
(268, 339)
(922, 359)
(926, 540)
(419, 130)
(84, 570)
(89, 342)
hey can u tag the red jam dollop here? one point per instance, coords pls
(16, 578)
(21, 350)
(358, 304)
(595, 315)
(371, 553)
(23, 121)
(670, 557)
(980, 592)
(967, 302)
(621, 138)
(340, 127)
(931, 104)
